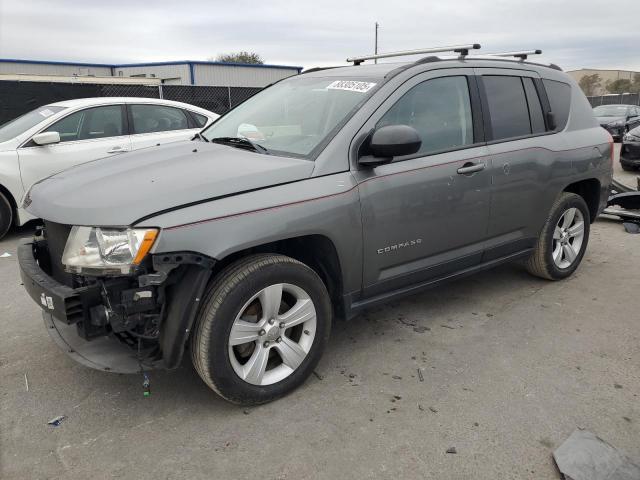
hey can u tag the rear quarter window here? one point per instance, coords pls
(559, 95)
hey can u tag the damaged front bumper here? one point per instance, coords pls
(119, 324)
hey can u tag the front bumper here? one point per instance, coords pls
(65, 312)
(630, 153)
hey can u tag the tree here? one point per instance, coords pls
(239, 57)
(635, 88)
(590, 84)
(621, 85)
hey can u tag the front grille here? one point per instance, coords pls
(57, 235)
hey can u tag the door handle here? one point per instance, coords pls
(117, 150)
(470, 167)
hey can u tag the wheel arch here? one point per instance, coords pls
(314, 250)
(12, 201)
(589, 189)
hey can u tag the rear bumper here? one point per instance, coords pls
(630, 153)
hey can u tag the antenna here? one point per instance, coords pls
(463, 50)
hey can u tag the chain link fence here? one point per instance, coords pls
(620, 99)
(18, 97)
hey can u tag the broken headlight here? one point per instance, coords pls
(106, 251)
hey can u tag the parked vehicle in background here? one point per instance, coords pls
(617, 119)
(630, 150)
(357, 185)
(63, 134)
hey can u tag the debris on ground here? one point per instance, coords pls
(5, 255)
(631, 227)
(585, 456)
(396, 377)
(26, 382)
(57, 420)
(452, 450)
(317, 375)
(420, 329)
(448, 326)
(433, 409)
(421, 408)
(420, 376)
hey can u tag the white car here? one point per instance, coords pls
(60, 135)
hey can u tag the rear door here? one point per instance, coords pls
(85, 135)
(154, 124)
(423, 216)
(515, 119)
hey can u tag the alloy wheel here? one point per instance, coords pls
(568, 237)
(272, 334)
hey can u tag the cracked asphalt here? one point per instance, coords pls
(500, 366)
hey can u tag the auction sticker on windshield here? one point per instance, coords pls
(351, 85)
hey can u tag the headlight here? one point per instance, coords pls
(631, 138)
(107, 251)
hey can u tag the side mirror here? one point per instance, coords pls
(46, 138)
(391, 141)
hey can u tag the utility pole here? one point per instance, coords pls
(375, 50)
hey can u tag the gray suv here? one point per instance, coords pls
(324, 194)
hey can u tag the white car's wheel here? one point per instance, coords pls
(6, 215)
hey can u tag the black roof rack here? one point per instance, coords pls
(463, 50)
(522, 55)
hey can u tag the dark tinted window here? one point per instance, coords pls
(560, 99)
(157, 118)
(535, 108)
(507, 106)
(97, 122)
(201, 120)
(439, 110)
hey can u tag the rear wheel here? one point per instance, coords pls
(262, 329)
(563, 239)
(6, 215)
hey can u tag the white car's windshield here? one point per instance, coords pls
(610, 111)
(24, 122)
(295, 116)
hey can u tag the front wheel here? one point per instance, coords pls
(563, 239)
(6, 215)
(263, 326)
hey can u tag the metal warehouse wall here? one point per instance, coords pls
(168, 72)
(53, 69)
(241, 76)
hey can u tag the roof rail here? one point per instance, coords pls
(521, 55)
(463, 50)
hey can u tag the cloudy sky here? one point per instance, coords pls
(572, 33)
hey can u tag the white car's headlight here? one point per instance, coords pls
(106, 251)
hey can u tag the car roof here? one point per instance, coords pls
(382, 70)
(616, 105)
(88, 102)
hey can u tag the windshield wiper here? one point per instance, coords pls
(240, 142)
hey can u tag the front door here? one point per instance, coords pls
(85, 135)
(426, 215)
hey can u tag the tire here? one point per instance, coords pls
(244, 288)
(542, 262)
(6, 215)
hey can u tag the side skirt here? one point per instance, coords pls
(353, 308)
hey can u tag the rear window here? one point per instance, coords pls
(507, 106)
(560, 100)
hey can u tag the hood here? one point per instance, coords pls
(119, 190)
(608, 120)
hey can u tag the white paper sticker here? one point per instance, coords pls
(351, 85)
(46, 113)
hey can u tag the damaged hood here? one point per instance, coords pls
(119, 190)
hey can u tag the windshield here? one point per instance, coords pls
(610, 111)
(23, 123)
(295, 116)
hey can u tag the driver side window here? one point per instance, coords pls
(439, 110)
(97, 122)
